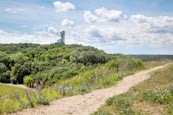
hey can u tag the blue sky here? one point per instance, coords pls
(116, 26)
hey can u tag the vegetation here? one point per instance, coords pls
(57, 71)
(153, 96)
(14, 99)
(46, 63)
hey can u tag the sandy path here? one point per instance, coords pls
(16, 85)
(90, 102)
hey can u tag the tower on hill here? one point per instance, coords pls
(62, 39)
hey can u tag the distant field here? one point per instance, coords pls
(154, 63)
(154, 57)
(152, 97)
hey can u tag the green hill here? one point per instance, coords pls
(48, 63)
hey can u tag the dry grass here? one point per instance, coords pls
(147, 108)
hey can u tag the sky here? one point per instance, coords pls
(115, 26)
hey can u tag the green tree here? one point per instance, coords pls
(19, 71)
(4, 58)
(19, 58)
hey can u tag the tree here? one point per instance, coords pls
(5, 77)
(88, 55)
(3, 68)
(19, 71)
(19, 58)
(4, 58)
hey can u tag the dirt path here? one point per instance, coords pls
(15, 85)
(88, 103)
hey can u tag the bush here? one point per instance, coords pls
(88, 55)
(122, 104)
(28, 81)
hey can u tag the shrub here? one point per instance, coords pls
(161, 96)
(28, 81)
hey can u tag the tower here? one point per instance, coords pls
(62, 33)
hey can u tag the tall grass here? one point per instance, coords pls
(8, 102)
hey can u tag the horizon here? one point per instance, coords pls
(115, 26)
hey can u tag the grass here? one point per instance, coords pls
(152, 97)
(151, 64)
(8, 102)
(14, 99)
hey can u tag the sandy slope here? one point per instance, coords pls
(88, 103)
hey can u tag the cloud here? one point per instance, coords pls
(110, 15)
(159, 24)
(41, 37)
(96, 34)
(93, 31)
(52, 30)
(13, 10)
(90, 17)
(103, 15)
(60, 6)
(68, 23)
(2, 32)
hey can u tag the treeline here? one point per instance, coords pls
(153, 57)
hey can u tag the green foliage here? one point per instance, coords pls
(161, 96)
(28, 81)
(19, 58)
(64, 70)
(87, 55)
(5, 77)
(8, 102)
(19, 71)
(121, 105)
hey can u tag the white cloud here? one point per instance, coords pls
(103, 15)
(68, 23)
(40, 37)
(96, 34)
(60, 6)
(110, 15)
(13, 10)
(90, 17)
(160, 24)
(2, 32)
(52, 30)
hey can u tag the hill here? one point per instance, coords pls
(48, 63)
